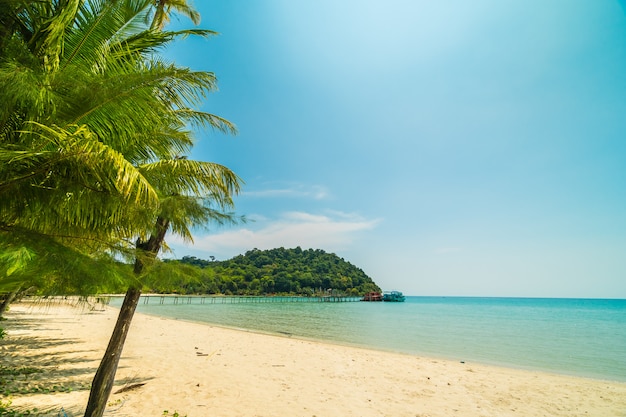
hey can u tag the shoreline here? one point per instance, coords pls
(199, 369)
(565, 346)
(421, 355)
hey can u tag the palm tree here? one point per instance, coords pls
(71, 144)
(180, 208)
(90, 138)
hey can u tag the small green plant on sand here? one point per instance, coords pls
(2, 333)
(167, 414)
(24, 370)
(6, 410)
(114, 403)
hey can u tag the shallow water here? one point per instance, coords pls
(570, 336)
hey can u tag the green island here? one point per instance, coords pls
(275, 271)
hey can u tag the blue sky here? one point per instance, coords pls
(446, 148)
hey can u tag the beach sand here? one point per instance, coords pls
(201, 370)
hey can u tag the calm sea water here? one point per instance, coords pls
(583, 337)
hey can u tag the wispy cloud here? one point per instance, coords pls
(316, 192)
(332, 232)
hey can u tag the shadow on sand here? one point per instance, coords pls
(31, 365)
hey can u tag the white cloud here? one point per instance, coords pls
(331, 232)
(316, 192)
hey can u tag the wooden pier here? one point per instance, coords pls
(235, 299)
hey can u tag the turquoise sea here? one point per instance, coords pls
(582, 337)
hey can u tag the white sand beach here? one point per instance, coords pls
(200, 370)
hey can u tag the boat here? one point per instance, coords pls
(372, 296)
(395, 296)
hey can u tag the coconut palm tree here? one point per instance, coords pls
(72, 145)
(181, 206)
(90, 138)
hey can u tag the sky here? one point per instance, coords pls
(447, 148)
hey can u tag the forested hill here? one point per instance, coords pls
(281, 271)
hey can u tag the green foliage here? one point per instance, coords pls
(15, 260)
(25, 370)
(7, 411)
(14, 380)
(55, 268)
(93, 124)
(276, 271)
(175, 414)
(2, 333)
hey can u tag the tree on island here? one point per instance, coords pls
(91, 132)
(279, 270)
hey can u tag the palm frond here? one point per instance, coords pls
(24, 92)
(198, 178)
(48, 37)
(114, 103)
(54, 267)
(74, 186)
(204, 119)
(98, 24)
(186, 212)
(163, 10)
(96, 158)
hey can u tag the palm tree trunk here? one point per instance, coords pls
(8, 299)
(105, 376)
(102, 383)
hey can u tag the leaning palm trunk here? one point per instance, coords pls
(102, 383)
(8, 299)
(105, 376)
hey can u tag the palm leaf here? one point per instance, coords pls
(187, 177)
(189, 212)
(80, 145)
(163, 11)
(54, 267)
